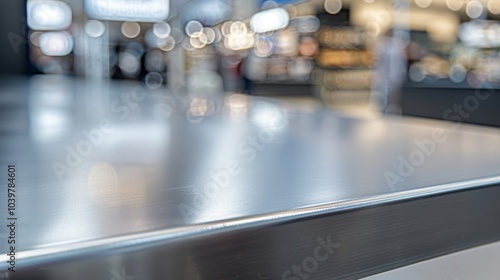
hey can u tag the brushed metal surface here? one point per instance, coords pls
(138, 192)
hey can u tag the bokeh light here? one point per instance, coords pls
(333, 6)
(130, 29)
(56, 43)
(94, 28)
(269, 20)
(161, 29)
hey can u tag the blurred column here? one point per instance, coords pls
(97, 54)
(176, 71)
(402, 20)
(397, 60)
(79, 18)
(97, 72)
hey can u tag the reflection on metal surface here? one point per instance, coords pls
(237, 105)
(103, 183)
(201, 107)
(121, 202)
(269, 117)
(50, 102)
(108, 185)
(48, 124)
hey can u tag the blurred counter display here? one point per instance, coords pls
(347, 79)
(329, 58)
(284, 56)
(341, 37)
(428, 59)
(472, 101)
(477, 53)
(458, 81)
(344, 63)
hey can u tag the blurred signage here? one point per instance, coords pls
(128, 10)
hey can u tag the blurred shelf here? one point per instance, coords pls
(283, 88)
(437, 100)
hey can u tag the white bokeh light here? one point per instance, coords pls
(474, 9)
(48, 15)
(454, 5)
(56, 43)
(423, 3)
(94, 28)
(269, 20)
(161, 29)
(333, 6)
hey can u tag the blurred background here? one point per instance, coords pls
(412, 57)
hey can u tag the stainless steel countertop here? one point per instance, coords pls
(132, 188)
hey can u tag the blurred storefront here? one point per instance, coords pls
(357, 52)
